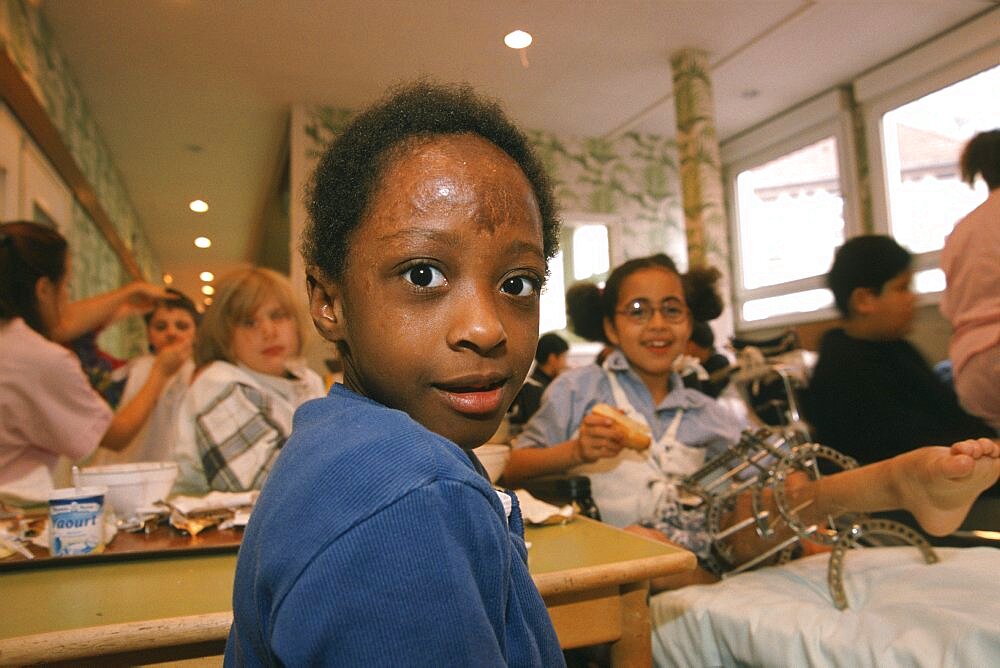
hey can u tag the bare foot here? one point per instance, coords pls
(939, 484)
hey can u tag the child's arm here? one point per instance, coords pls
(129, 420)
(599, 437)
(92, 313)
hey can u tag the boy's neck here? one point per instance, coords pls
(866, 329)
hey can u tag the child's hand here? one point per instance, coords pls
(600, 437)
(140, 297)
(171, 357)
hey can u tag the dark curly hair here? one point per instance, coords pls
(348, 175)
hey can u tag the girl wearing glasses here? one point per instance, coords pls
(646, 318)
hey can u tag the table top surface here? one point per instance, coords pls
(77, 594)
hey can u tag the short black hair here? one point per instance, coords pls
(868, 261)
(348, 174)
(982, 156)
(550, 344)
(176, 301)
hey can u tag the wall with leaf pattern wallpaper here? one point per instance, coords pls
(96, 268)
(633, 178)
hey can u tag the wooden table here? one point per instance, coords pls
(594, 580)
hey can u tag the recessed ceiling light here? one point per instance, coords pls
(206, 276)
(207, 290)
(202, 242)
(168, 279)
(518, 39)
(207, 301)
(198, 206)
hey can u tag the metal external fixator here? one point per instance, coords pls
(849, 537)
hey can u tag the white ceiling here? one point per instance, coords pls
(193, 96)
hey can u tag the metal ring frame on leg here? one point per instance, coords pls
(760, 466)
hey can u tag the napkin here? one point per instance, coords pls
(212, 501)
(535, 511)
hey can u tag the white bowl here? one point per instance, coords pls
(494, 457)
(130, 486)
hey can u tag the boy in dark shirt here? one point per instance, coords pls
(872, 395)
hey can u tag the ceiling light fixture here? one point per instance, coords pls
(206, 276)
(198, 206)
(168, 279)
(202, 242)
(517, 39)
(207, 301)
(207, 290)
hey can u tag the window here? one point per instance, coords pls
(585, 256)
(791, 215)
(792, 202)
(921, 143)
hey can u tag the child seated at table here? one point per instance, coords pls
(378, 539)
(872, 395)
(235, 416)
(172, 322)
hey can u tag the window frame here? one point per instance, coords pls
(827, 115)
(877, 97)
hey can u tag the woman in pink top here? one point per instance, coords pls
(971, 302)
(47, 407)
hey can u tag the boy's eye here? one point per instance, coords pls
(247, 322)
(520, 286)
(424, 276)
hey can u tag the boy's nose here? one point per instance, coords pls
(476, 324)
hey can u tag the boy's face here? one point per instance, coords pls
(169, 325)
(437, 313)
(892, 310)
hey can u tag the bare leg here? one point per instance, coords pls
(936, 484)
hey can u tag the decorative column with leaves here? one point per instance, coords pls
(701, 171)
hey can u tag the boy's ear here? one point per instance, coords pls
(326, 307)
(862, 301)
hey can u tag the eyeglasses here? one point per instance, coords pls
(640, 311)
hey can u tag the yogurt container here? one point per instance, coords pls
(76, 521)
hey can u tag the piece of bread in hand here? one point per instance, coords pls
(637, 434)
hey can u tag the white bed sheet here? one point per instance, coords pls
(902, 612)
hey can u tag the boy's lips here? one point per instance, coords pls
(473, 395)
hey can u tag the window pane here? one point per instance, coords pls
(791, 215)
(929, 280)
(590, 251)
(923, 140)
(552, 306)
(797, 302)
